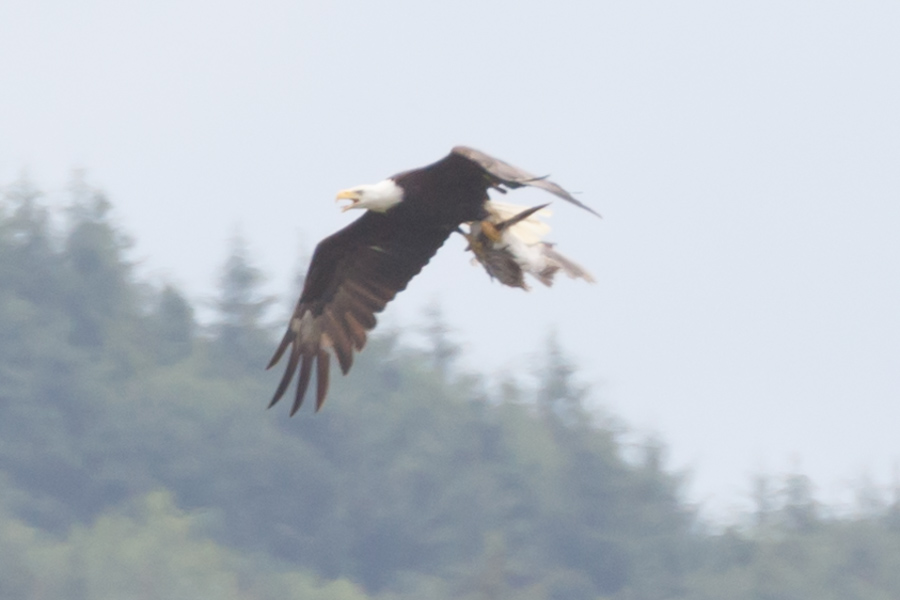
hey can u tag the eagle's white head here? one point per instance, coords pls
(376, 196)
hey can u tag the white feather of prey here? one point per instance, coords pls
(530, 230)
(524, 241)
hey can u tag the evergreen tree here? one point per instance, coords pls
(241, 341)
(559, 397)
(800, 511)
(172, 326)
(763, 500)
(67, 341)
(443, 350)
(100, 294)
(29, 264)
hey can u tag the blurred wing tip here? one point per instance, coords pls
(298, 402)
(584, 206)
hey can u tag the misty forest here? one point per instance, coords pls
(138, 460)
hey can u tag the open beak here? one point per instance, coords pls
(350, 195)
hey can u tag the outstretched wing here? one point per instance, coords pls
(514, 177)
(353, 274)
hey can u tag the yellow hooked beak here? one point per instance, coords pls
(351, 195)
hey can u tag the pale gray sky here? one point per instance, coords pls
(745, 156)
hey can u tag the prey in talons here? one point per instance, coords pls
(509, 244)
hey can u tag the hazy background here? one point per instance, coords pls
(744, 157)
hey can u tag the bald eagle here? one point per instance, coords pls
(356, 271)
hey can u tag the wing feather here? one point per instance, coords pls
(340, 340)
(291, 368)
(514, 177)
(302, 382)
(356, 329)
(285, 343)
(353, 274)
(323, 364)
(363, 296)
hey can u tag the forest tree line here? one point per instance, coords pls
(137, 460)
